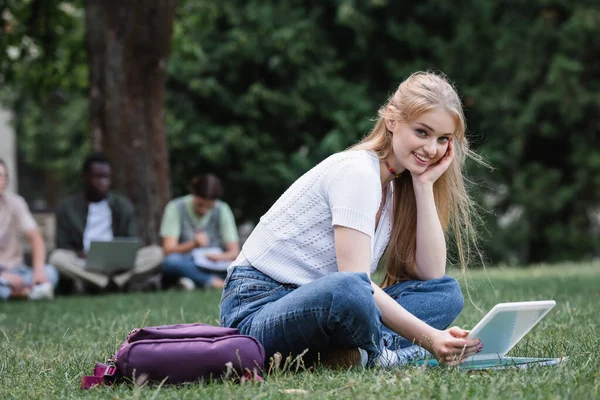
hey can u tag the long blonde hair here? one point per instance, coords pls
(419, 93)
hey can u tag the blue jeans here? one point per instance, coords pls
(27, 274)
(181, 265)
(338, 310)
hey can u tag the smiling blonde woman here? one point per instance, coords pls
(303, 277)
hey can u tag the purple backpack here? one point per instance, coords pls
(181, 353)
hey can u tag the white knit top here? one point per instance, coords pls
(294, 242)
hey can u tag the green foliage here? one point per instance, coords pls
(256, 94)
(539, 111)
(46, 71)
(41, 46)
(260, 91)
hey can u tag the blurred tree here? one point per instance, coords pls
(259, 91)
(533, 88)
(43, 78)
(278, 87)
(256, 95)
(128, 44)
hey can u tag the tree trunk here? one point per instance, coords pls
(128, 43)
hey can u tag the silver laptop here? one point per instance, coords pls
(110, 257)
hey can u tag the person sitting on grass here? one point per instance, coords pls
(16, 279)
(199, 220)
(99, 214)
(303, 279)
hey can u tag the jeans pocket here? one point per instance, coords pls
(229, 306)
(252, 290)
(246, 292)
(229, 288)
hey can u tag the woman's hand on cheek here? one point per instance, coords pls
(433, 172)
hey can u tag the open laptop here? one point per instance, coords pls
(111, 257)
(500, 330)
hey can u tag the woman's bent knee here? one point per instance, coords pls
(449, 299)
(352, 293)
(453, 294)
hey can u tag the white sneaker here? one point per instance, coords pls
(398, 358)
(186, 284)
(41, 291)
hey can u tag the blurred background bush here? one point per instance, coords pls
(260, 91)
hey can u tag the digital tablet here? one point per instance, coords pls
(500, 330)
(506, 324)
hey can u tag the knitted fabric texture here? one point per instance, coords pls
(294, 241)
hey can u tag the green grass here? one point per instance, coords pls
(45, 348)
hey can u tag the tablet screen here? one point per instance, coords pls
(504, 326)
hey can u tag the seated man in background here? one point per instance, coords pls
(199, 223)
(16, 279)
(99, 215)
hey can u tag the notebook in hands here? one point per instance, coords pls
(500, 330)
(110, 257)
(202, 261)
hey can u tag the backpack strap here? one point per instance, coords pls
(104, 374)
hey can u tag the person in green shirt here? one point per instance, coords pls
(199, 236)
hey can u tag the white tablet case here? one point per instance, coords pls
(505, 325)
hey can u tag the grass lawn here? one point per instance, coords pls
(45, 348)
